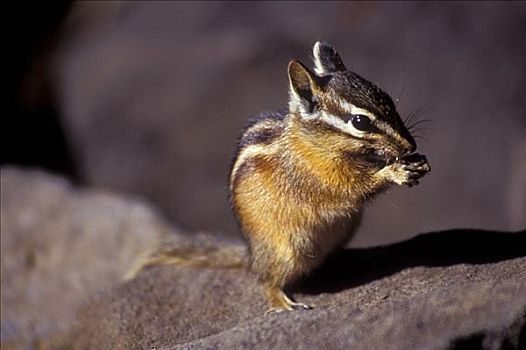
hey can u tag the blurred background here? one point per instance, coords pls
(148, 98)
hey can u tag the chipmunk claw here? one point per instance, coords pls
(415, 162)
(301, 306)
(290, 307)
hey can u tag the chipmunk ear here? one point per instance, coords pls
(326, 59)
(304, 87)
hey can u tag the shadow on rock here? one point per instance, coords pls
(354, 267)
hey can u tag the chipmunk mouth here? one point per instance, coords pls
(411, 158)
(378, 158)
(382, 158)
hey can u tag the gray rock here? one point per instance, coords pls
(445, 290)
(66, 250)
(60, 245)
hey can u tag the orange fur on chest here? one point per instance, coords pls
(292, 194)
(297, 197)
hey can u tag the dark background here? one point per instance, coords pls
(147, 98)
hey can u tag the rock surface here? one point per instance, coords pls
(59, 246)
(411, 295)
(65, 250)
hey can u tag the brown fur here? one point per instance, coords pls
(299, 197)
(299, 179)
(296, 206)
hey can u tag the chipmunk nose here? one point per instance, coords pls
(409, 145)
(412, 145)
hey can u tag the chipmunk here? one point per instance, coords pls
(300, 179)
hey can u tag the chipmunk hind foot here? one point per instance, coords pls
(279, 301)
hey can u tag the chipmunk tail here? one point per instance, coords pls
(201, 252)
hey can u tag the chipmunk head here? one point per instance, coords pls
(345, 112)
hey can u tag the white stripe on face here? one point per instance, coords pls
(347, 127)
(338, 123)
(352, 109)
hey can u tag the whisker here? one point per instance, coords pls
(421, 122)
(425, 108)
(415, 117)
(423, 138)
(409, 118)
(421, 126)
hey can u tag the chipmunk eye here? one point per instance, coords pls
(361, 122)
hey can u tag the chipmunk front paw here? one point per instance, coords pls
(415, 166)
(407, 170)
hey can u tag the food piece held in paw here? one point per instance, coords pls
(416, 166)
(413, 158)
